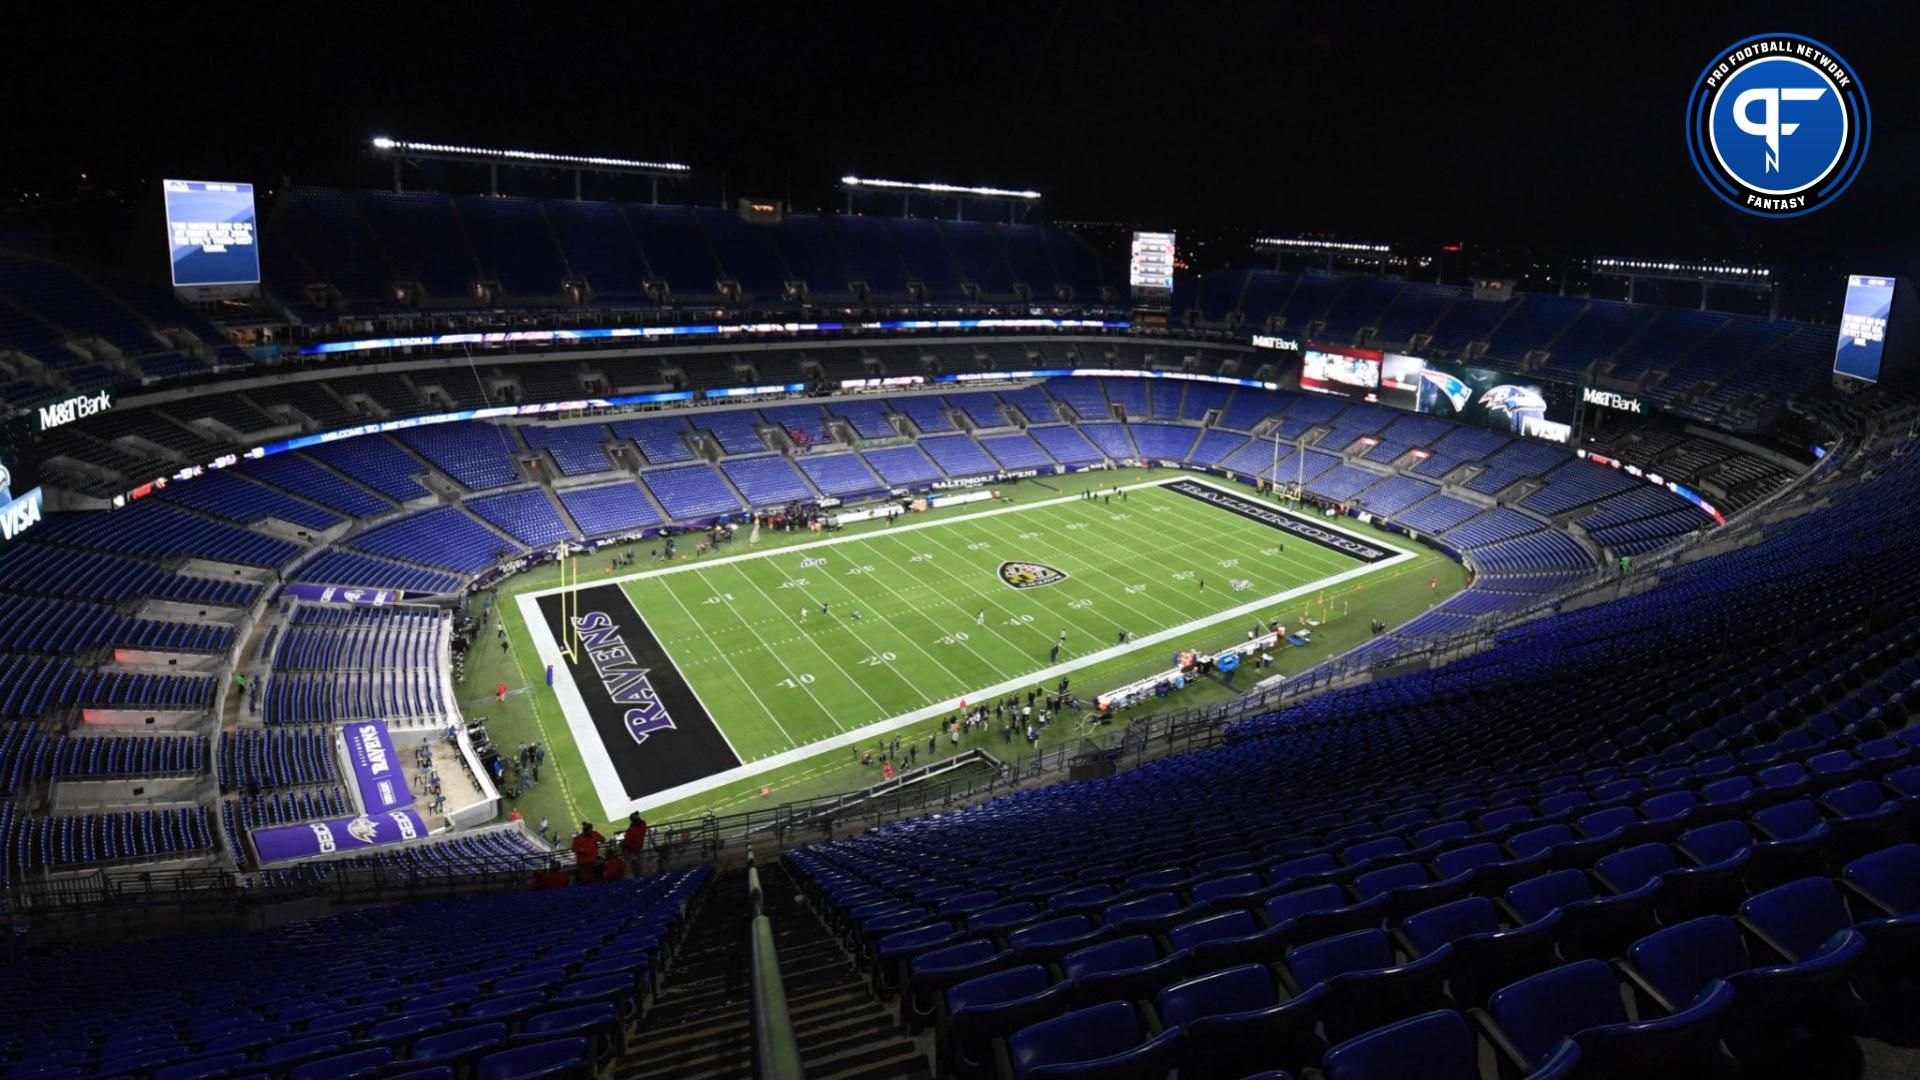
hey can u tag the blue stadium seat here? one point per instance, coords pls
(1102, 1042)
(565, 1057)
(1434, 1046)
(1582, 1002)
(993, 1006)
(1681, 964)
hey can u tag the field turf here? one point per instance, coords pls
(767, 643)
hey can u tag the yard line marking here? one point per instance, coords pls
(955, 604)
(810, 639)
(908, 638)
(986, 598)
(695, 619)
(997, 669)
(1101, 553)
(1228, 575)
(1311, 567)
(1118, 598)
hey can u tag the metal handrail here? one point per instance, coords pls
(776, 1053)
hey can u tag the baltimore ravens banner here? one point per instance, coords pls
(339, 594)
(280, 843)
(377, 774)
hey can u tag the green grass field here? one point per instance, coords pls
(769, 644)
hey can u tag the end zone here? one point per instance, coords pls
(639, 725)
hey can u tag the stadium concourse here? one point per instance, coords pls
(1586, 757)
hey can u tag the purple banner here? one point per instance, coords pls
(340, 594)
(279, 843)
(376, 768)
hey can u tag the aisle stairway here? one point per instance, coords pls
(843, 1031)
(699, 1026)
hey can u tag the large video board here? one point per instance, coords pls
(1336, 369)
(210, 238)
(1863, 327)
(1500, 400)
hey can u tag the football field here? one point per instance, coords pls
(690, 676)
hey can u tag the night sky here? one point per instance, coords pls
(1561, 133)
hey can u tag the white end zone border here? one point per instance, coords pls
(606, 781)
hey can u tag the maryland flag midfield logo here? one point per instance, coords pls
(1030, 575)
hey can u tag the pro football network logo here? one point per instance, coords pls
(1030, 575)
(1778, 125)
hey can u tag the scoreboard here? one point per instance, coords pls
(1863, 327)
(210, 240)
(1150, 268)
(1879, 332)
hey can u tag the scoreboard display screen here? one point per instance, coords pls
(1336, 369)
(1150, 268)
(1505, 402)
(1863, 327)
(210, 239)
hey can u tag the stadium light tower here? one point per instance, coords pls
(401, 151)
(1704, 274)
(1330, 249)
(959, 193)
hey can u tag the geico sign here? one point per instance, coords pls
(74, 408)
(1609, 399)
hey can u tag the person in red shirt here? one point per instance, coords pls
(633, 842)
(615, 867)
(586, 850)
(551, 878)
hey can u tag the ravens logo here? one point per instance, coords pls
(1030, 575)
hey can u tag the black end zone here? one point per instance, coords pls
(1276, 518)
(653, 728)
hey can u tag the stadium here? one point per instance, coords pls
(488, 598)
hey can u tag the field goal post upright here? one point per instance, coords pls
(569, 602)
